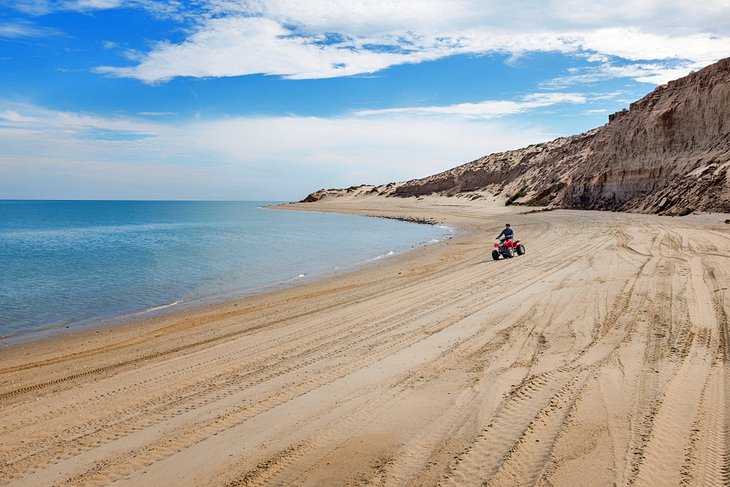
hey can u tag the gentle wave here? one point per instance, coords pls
(379, 257)
(158, 308)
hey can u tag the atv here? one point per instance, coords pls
(507, 248)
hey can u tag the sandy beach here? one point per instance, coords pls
(600, 357)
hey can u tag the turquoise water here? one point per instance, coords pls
(67, 262)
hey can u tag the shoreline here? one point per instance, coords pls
(437, 367)
(184, 304)
(140, 321)
(354, 206)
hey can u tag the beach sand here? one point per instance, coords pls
(600, 357)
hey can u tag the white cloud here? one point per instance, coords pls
(45, 7)
(485, 109)
(50, 123)
(15, 117)
(635, 45)
(329, 38)
(235, 46)
(653, 72)
(308, 39)
(235, 158)
(92, 4)
(156, 114)
(19, 29)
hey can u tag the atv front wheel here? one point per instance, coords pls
(495, 254)
(520, 249)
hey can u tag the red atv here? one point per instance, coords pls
(507, 248)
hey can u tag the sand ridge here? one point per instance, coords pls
(600, 357)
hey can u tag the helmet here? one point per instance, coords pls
(506, 224)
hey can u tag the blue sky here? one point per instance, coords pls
(270, 100)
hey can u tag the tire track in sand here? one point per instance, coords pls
(546, 398)
(669, 457)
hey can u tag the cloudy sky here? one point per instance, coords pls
(273, 99)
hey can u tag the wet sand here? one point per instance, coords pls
(600, 357)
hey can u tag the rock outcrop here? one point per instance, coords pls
(668, 153)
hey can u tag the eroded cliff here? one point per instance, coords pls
(668, 153)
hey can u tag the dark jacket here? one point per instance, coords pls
(507, 232)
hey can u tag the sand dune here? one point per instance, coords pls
(601, 357)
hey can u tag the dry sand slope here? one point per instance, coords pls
(598, 358)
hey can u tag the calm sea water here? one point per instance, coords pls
(68, 262)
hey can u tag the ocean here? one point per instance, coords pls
(71, 263)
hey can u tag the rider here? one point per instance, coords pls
(507, 233)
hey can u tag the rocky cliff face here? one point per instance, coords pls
(669, 153)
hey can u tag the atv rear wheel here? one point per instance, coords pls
(509, 253)
(495, 254)
(520, 249)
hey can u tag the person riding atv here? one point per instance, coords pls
(507, 233)
(507, 246)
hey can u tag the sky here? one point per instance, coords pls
(273, 99)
